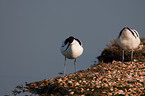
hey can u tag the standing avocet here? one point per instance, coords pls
(128, 39)
(71, 48)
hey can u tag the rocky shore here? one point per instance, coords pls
(109, 77)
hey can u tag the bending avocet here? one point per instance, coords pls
(71, 48)
(128, 39)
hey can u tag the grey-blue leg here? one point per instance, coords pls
(75, 65)
(132, 57)
(64, 67)
(122, 58)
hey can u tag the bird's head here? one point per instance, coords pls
(127, 32)
(69, 40)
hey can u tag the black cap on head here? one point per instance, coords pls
(128, 29)
(70, 40)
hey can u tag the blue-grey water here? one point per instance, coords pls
(31, 33)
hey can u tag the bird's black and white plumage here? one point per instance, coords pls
(71, 48)
(128, 39)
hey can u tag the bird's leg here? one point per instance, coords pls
(75, 65)
(132, 57)
(64, 67)
(122, 58)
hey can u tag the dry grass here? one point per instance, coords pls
(114, 52)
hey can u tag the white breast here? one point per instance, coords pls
(73, 51)
(127, 41)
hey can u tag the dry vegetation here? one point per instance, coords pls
(114, 52)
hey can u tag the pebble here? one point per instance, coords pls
(113, 77)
